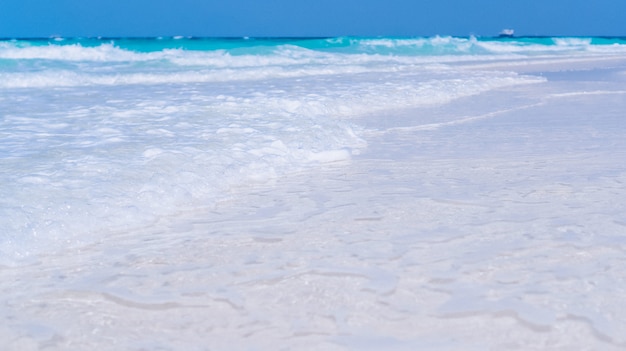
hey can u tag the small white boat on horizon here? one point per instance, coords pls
(507, 33)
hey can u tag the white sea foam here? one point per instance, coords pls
(116, 167)
(104, 144)
(76, 52)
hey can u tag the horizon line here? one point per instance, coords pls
(297, 37)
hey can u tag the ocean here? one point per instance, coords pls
(125, 152)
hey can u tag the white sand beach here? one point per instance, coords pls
(492, 222)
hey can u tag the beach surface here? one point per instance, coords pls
(496, 221)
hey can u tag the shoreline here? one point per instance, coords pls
(499, 232)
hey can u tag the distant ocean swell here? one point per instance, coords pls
(98, 135)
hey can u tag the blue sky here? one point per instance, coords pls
(44, 18)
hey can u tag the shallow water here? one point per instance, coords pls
(103, 135)
(491, 220)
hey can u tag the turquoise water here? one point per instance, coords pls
(373, 45)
